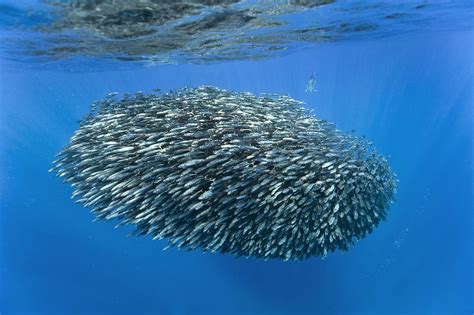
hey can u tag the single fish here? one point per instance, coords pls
(311, 85)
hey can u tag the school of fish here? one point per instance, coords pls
(227, 172)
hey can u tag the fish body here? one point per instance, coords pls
(311, 84)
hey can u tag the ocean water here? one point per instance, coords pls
(408, 87)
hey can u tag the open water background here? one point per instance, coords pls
(412, 94)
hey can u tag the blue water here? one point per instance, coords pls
(412, 94)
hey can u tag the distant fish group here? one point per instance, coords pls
(227, 172)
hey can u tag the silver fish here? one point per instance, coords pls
(227, 172)
(311, 84)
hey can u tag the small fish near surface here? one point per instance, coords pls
(311, 85)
